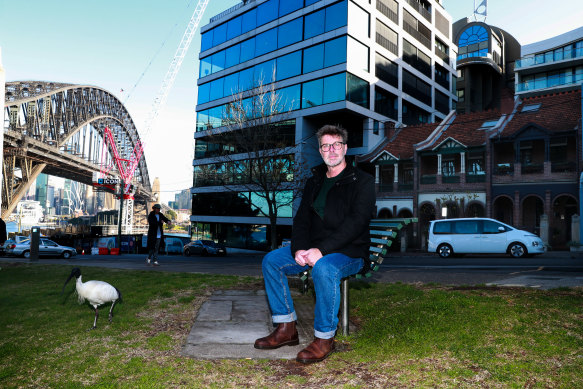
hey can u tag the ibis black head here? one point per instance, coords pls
(76, 272)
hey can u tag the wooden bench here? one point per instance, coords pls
(382, 234)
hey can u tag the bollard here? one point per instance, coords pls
(34, 243)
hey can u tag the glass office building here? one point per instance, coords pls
(363, 64)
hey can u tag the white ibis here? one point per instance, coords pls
(95, 292)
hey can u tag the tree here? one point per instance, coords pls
(258, 153)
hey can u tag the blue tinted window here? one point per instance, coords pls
(308, 2)
(203, 93)
(202, 119)
(289, 33)
(206, 41)
(231, 84)
(287, 6)
(234, 27)
(219, 34)
(218, 61)
(289, 98)
(357, 90)
(215, 117)
(473, 34)
(216, 89)
(289, 65)
(205, 66)
(335, 52)
(247, 50)
(334, 88)
(246, 79)
(266, 42)
(232, 55)
(312, 92)
(267, 12)
(264, 72)
(314, 24)
(249, 21)
(313, 58)
(336, 16)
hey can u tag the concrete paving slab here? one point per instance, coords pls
(539, 282)
(229, 322)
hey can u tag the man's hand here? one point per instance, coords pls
(312, 256)
(300, 257)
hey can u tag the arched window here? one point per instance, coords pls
(473, 42)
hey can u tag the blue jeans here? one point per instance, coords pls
(326, 274)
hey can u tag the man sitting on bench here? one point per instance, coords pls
(330, 235)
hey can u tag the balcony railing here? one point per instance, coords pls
(442, 55)
(419, 8)
(428, 179)
(549, 57)
(532, 168)
(504, 169)
(450, 179)
(386, 187)
(473, 177)
(546, 82)
(388, 12)
(387, 44)
(416, 34)
(563, 167)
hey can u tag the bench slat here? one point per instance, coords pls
(383, 233)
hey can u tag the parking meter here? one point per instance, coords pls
(34, 243)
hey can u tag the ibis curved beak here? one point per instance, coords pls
(76, 272)
(66, 282)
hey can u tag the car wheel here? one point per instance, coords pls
(187, 252)
(444, 251)
(517, 250)
(26, 254)
(66, 254)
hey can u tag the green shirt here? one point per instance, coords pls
(320, 202)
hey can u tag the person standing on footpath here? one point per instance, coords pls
(156, 221)
(331, 236)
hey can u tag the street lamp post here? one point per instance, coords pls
(120, 218)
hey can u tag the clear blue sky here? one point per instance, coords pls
(109, 43)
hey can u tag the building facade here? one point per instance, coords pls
(369, 66)
(552, 65)
(485, 65)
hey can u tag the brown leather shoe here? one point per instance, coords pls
(284, 335)
(316, 351)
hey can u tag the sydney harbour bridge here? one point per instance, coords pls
(60, 129)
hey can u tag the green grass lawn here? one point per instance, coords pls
(408, 336)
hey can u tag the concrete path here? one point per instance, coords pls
(229, 322)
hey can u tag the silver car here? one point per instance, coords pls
(46, 248)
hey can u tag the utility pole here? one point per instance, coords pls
(120, 218)
(2, 95)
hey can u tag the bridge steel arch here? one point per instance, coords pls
(57, 128)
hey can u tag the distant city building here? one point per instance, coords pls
(551, 65)
(485, 66)
(369, 66)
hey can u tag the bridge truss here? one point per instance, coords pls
(59, 129)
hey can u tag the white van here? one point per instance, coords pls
(481, 236)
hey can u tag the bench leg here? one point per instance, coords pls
(344, 306)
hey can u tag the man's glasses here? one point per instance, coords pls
(335, 146)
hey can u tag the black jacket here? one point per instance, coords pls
(350, 205)
(153, 226)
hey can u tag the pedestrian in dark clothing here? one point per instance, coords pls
(330, 235)
(156, 222)
(3, 235)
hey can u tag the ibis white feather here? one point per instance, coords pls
(96, 293)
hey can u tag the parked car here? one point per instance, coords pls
(204, 247)
(481, 236)
(46, 248)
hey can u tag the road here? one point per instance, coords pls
(552, 269)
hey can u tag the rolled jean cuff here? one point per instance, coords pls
(324, 335)
(284, 318)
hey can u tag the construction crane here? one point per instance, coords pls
(159, 102)
(170, 77)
